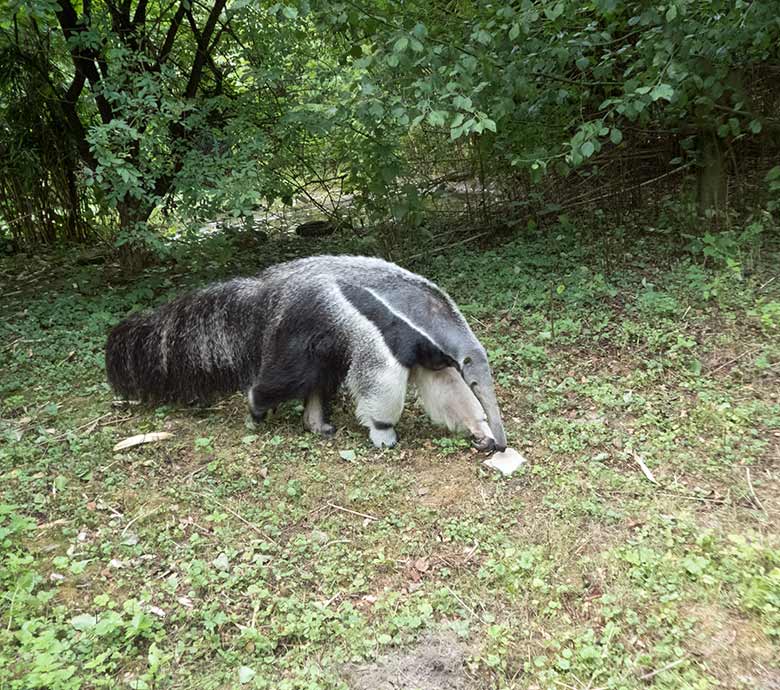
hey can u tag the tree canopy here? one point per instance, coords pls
(112, 110)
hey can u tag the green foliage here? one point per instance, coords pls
(773, 181)
(557, 82)
(768, 314)
(43, 645)
(176, 113)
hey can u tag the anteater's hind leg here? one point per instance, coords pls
(271, 387)
(296, 379)
(259, 403)
(379, 394)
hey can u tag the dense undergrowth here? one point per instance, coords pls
(231, 556)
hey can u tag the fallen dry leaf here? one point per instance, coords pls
(421, 565)
(142, 438)
(645, 469)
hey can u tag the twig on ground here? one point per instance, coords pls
(331, 600)
(470, 553)
(753, 495)
(53, 523)
(438, 250)
(464, 604)
(242, 519)
(140, 516)
(12, 345)
(337, 541)
(667, 667)
(352, 512)
(732, 361)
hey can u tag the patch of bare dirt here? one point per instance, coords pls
(435, 662)
(736, 649)
(450, 485)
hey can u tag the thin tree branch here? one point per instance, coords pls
(218, 76)
(139, 17)
(170, 37)
(84, 59)
(201, 56)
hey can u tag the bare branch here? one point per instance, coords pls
(202, 47)
(196, 74)
(84, 59)
(170, 37)
(139, 18)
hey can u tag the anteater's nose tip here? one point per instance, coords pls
(486, 444)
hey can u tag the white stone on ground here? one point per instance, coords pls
(506, 462)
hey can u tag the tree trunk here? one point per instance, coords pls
(712, 181)
(134, 253)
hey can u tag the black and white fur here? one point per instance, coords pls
(302, 329)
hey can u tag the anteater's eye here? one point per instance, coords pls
(466, 360)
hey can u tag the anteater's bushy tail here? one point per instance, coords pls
(192, 349)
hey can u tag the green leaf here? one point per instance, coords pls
(671, 13)
(463, 102)
(664, 91)
(221, 562)
(437, 118)
(84, 621)
(514, 32)
(78, 567)
(755, 126)
(695, 565)
(290, 12)
(615, 136)
(552, 13)
(489, 124)
(587, 149)
(401, 44)
(419, 30)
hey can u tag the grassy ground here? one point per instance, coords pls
(229, 556)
